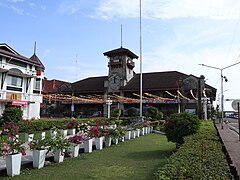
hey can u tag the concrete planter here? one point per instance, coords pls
(13, 164)
(88, 145)
(39, 158)
(72, 131)
(74, 149)
(133, 134)
(58, 156)
(128, 135)
(99, 143)
(108, 141)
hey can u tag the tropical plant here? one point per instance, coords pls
(11, 129)
(77, 138)
(72, 124)
(11, 147)
(59, 143)
(39, 144)
(11, 114)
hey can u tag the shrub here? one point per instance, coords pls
(160, 115)
(200, 157)
(152, 112)
(132, 112)
(180, 125)
(115, 112)
(11, 114)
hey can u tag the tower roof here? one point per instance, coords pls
(120, 51)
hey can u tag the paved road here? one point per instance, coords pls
(232, 123)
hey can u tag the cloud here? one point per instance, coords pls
(168, 9)
(46, 53)
(15, 1)
(69, 7)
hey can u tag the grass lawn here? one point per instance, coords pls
(133, 159)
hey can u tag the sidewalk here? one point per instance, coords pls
(230, 140)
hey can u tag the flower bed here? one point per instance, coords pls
(200, 157)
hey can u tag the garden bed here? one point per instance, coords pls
(200, 157)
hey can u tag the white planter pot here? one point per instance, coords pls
(137, 132)
(29, 137)
(64, 133)
(133, 134)
(151, 129)
(128, 135)
(148, 129)
(142, 131)
(58, 156)
(13, 164)
(75, 149)
(72, 131)
(39, 158)
(53, 134)
(88, 145)
(145, 130)
(115, 140)
(43, 135)
(122, 139)
(108, 141)
(99, 143)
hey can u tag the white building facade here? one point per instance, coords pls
(20, 82)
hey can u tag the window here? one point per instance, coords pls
(14, 81)
(37, 83)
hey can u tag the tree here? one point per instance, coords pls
(180, 125)
(152, 112)
(132, 112)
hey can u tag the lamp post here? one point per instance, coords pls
(108, 102)
(222, 77)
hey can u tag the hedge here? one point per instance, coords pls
(200, 157)
(46, 124)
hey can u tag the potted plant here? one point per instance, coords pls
(76, 140)
(58, 145)
(53, 132)
(72, 125)
(111, 134)
(121, 133)
(97, 133)
(29, 130)
(39, 148)
(12, 149)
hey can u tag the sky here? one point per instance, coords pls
(177, 35)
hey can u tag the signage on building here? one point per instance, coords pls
(13, 96)
(19, 103)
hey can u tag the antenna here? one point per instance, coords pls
(121, 35)
(35, 47)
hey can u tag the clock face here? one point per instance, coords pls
(114, 82)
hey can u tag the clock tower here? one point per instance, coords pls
(120, 68)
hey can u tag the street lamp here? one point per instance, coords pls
(222, 77)
(109, 103)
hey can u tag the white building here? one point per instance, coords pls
(20, 82)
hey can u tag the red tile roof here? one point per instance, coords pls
(51, 86)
